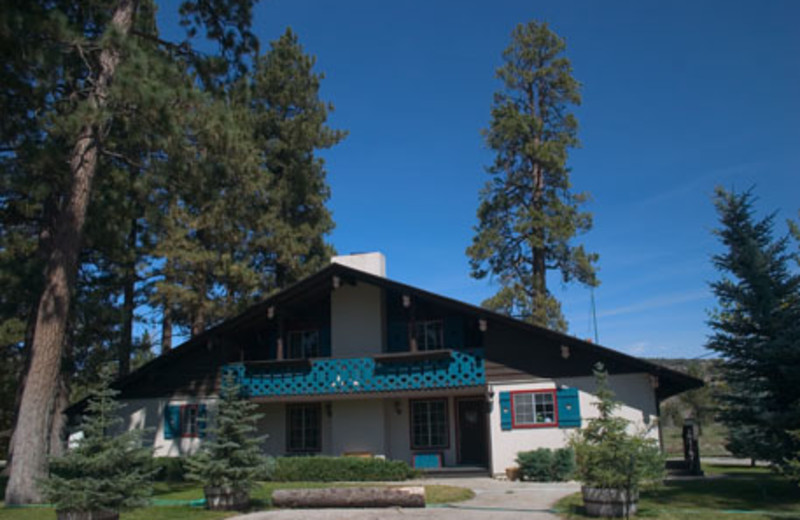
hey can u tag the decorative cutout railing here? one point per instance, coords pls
(360, 375)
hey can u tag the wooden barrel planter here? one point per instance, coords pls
(609, 502)
(226, 499)
(68, 514)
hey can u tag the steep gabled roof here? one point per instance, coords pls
(671, 382)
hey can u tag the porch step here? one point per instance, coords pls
(456, 472)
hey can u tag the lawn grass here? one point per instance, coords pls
(728, 493)
(261, 496)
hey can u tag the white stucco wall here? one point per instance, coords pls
(634, 391)
(358, 426)
(148, 414)
(356, 320)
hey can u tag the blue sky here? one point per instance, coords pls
(677, 97)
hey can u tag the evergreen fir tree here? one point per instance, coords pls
(756, 331)
(528, 215)
(107, 470)
(231, 457)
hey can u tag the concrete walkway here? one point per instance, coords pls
(493, 500)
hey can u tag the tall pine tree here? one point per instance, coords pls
(528, 215)
(74, 65)
(756, 332)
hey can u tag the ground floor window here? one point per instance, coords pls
(534, 408)
(304, 428)
(189, 424)
(429, 427)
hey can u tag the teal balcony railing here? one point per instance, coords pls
(384, 373)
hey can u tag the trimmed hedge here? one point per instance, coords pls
(342, 469)
(169, 469)
(546, 465)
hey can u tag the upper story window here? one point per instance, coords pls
(534, 408)
(303, 344)
(429, 335)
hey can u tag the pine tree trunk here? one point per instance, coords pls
(199, 317)
(166, 329)
(128, 305)
(43, 249)
(40, 392)
(58, 422)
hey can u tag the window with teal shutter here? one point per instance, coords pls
(202, 420)
(569, 408)
(172, 421)
(505, 410)
(397, 340)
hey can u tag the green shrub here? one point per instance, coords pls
(332, 469)
(169, 469)
(546, 465)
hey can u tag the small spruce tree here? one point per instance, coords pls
(105, 471)
(607, 455)
(231, 458)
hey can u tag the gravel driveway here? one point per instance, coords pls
(493, 500)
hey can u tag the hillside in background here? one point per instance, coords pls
(700, 402)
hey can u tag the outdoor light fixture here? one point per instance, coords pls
(270, 312)
(654, 381)
(336, 282)
(482, 325)
(564, 351)
(406, 301)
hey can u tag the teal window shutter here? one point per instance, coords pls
(172, 421)
(505, 411)
(569, 408)
(397, 340)
(454, 332)
(325, 341)
(202, 420)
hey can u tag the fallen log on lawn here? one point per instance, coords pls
(350, 497)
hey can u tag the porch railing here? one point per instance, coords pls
(387, 373)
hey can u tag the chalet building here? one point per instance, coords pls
(348, 362)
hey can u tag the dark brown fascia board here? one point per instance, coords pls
(681, 381)
(684, 382)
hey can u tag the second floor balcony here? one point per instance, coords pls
(429, 370)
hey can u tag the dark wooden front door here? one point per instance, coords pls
(472, 446)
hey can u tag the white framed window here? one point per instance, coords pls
(303, 344)
(304, 428)
(189, 416)
(429, 426)
(429, 334)
(536, 408)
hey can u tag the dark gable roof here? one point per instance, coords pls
(671, 382)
